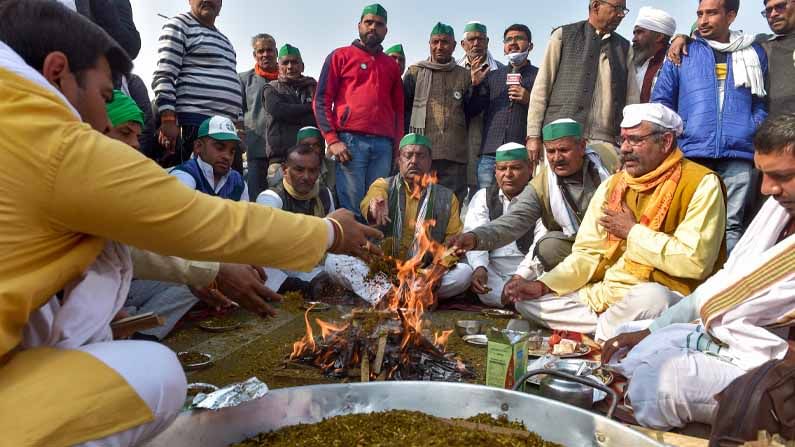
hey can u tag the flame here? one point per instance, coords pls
(440, 338)
(308, 341)
(328, 330)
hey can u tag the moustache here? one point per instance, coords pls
(626, 158)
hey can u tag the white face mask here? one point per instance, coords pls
(518, 58)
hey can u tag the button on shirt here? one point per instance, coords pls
(207, 172)
(504, 259)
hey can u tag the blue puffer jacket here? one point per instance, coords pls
(692, 90)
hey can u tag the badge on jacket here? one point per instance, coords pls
(457, 96)
(364, 66)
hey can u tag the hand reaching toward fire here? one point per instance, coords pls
(378, 211)
(462, 243)
(351, 237)
(519, 289)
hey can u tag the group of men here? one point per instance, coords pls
(606, 191)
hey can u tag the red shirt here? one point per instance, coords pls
(359, 92)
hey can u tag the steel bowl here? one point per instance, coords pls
(204, 361)
(471, 327)
(554, 421)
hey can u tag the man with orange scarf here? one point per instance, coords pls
(655, 227)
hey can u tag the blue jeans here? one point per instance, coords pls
(486, 171)
(371, 158)
(736, 175)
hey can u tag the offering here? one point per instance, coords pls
(506, 359)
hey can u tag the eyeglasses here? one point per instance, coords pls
(515, 39)
(617, 8)
(636, 140)
(779, 8)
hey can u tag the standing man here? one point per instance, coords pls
(583, 77)
(780, 15)
(719, 90)
(265, 70)
(396, 52)
(359, 109)
(505, 118)
(288, 108)
(440, 98)
(650, 41)
(476, 53)
(196, 78)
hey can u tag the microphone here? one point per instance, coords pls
(514, 78)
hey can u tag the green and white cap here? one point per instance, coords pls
(218, 128)
(475, 27)
(562, 128)
(443, 29)
(395, 49)
(289, 50)
(511, 152)
(376, 10)
(308, 132)
(412, 139)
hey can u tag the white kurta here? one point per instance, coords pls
(676, 371)
(501, 263)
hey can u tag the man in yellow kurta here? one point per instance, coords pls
(68, 193)
(400, 205)
(654, 227)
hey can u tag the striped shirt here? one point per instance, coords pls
(196, 71)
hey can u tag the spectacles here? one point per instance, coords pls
(779, 8)
(513, 39)
(636, 140)
(617, 8)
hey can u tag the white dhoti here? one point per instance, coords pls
(569, 312)
(352, 273)
(500, 270)
(82, 322)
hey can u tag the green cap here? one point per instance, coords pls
(308, 132)
(443, 29)
(415, 139)
(511, 152)
(475, 27)
(561, 129)
(288, 50)
(374, 9)
(122, 109)
(693, 28)
(218, 128)
(395, 49)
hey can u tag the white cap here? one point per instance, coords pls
(654, 19)
(659, 114)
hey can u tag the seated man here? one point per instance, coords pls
(210, 169)
(300, 190)
(653, 228)
(558, 197)
(399, 205)
(169, 286)
(312, 137)
(676, 367)
(493, 268)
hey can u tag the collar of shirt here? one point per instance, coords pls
(506, 202)
(207, 171)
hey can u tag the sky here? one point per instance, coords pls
(318, 27)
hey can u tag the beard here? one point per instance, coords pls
(371, 40)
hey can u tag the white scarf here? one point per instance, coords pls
(493, 64)
(746, 68)
(564, 215)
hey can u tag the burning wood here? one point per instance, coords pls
(392, 337)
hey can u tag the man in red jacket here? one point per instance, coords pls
(359, 109)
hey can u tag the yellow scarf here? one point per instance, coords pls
(318, 210)
(664, 181)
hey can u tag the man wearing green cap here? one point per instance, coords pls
(440, 99)
(210, 168)
(359, 108)
(399, 205)
(396, 52)
(493, 268)
(288, 108)
(584, 77)
(559, 197)
(126, 119)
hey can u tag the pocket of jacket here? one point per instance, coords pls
(346, 114)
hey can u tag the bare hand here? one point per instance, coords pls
(519, 94)
(379, 211)
(340, 150)
(245, 284)
(479, 75)
(168, 135)
(356, 240)
(618, 223)
(480, 281)
(462, 243)
(519, 289)
(677, 49)
(212, 297)
(535, 147)
(628, 340)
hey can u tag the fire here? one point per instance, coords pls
(309, 339)
(328, 330)
(440, 339)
